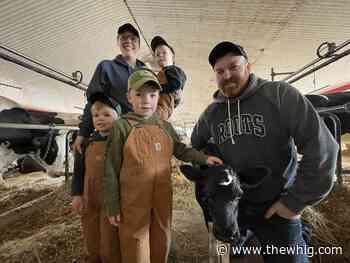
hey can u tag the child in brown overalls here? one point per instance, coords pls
(101, 238)
(138, 192)
(171, 77)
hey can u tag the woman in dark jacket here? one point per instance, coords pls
(111, 77)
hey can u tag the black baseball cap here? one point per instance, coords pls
(159, 41)
(128, 28)
(224, 48)
(101, 97)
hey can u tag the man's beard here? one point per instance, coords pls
(230, 89)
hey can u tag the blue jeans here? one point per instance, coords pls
(281, 239)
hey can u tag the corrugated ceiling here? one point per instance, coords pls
(77, 34)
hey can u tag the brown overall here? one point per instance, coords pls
(101, 237)
(166, 102)
(146, 195)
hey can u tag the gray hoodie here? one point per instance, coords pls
(261, 128)
(111, 78)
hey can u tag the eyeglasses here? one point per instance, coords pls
(130, 37)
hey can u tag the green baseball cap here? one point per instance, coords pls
(142, 76)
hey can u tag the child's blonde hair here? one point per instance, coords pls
(98, 105)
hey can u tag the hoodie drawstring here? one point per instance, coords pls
(229, 121)
(239, 119)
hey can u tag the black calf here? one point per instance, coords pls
(218, 192)
(219, 189)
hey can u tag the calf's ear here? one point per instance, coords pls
(191, 173)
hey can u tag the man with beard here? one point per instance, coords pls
(260, 123)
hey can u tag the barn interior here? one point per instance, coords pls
(49, 51)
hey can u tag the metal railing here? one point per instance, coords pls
(14, 56)
(327, 53)
(70, 129)
(36, 126)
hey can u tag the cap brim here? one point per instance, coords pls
(140, 83)
(101, 97)
(128, 28)
(158, 41)
(224, 48)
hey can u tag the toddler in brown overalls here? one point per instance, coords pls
(138, 192)
(101, 238)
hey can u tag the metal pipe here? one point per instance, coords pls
(302, 69)
(211, 241)
(345, 108)
(79, 108)
(331, 60)
(36, 126)
(66, 163)
(17, 53)
(10, 86)
(273, 74)
(345, 43)
(40, 71)
(334, 126)
(316, 61)
(137, 24)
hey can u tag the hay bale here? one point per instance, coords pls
(322, 228)
(331, 225)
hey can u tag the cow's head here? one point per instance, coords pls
(218, 192)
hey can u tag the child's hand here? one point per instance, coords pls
(212, 160)
(77, 204)
(77, 144)
(114, 220)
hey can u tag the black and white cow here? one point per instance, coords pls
(218, 190)
(26, 140)
(33, 149)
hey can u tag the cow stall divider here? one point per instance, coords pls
(327, 53)
(219, 252)
(334, 124)
(69, 129)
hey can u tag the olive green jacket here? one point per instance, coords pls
(114, 154)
